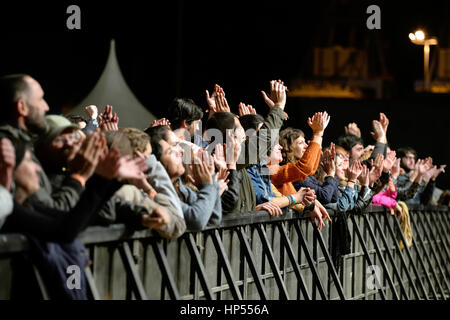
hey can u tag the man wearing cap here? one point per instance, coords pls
(58, 150)
(23, 118)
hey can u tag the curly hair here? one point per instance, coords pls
(287, 138)
(138, 138)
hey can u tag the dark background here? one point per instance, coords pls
(181, 48)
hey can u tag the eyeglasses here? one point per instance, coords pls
(342, 156)
(69, 137)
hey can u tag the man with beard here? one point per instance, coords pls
(24, 108)
(417, 171)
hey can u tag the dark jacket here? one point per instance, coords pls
(114, 210)
(423, 194)
(54, 225)
(231, 196)
(260, 176)
(65, 197)
(250, 157)
(326, 192)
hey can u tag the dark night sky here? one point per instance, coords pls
(184, 47)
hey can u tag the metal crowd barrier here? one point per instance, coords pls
(258, 257)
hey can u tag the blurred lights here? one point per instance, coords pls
(420, 35)
(412, 36)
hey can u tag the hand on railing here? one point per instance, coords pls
(157, 219)
(272, 208)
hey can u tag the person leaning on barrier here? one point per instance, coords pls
(23, 118)
(252, 149)
(53, 233)
(164, 217)
(416, 179)
(60, 150)
(354, 144)
(304, 197)
(199, 209)
(283, 176)
(45, 223)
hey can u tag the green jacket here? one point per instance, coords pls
(273, 121)
(64, 198)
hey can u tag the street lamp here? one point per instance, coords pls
(419, 38)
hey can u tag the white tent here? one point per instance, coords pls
(112, 89)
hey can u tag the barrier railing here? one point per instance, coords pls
(256, 256)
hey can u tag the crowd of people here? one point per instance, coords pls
(59, 175)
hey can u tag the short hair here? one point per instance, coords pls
(183, 109)
(287, 138)
(12, 88)
(401, 152)
(157, 134)
(222, 121)
(138, 138)
(251, 121)
(120, 141)
(349, 141)
(76, 119)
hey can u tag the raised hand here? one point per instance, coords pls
(384, 121)
(200, 172)
(245, 109)
(219, 157)
(277, 96)
(354, 171)
(319, 122)
(113, 166)
(210, 100)
(395, 170)
(423, 167)
(364, 177)
(220, 101)
(7, 163)
(378, 132)
(85, 161)
(272, 208)
(131, 168)
(389, 161)
(91, 111)
(232, 150)
(107, 120)
(221, 178)
(376, 169)
(205, 157)
(329, 161)
(352, 128)
(160, 122)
